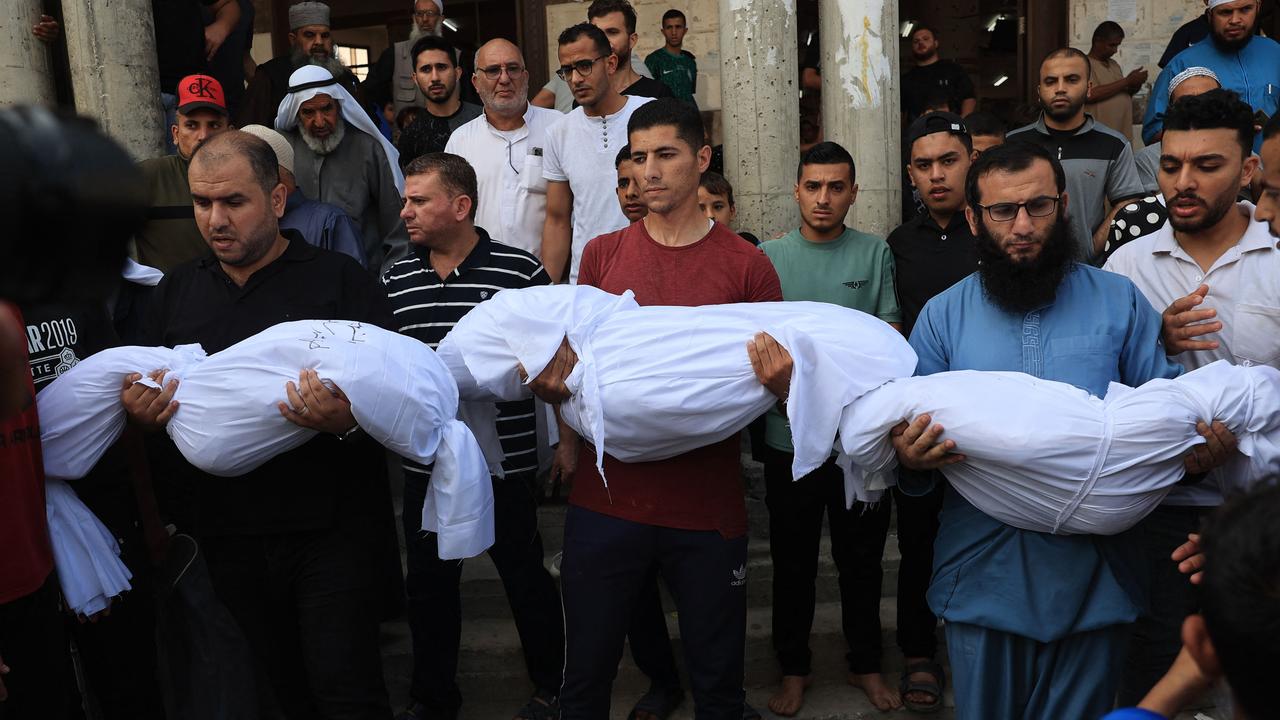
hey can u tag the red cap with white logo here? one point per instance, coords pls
(200, 91)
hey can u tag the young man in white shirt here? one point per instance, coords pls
(1212, 270)
(578, 158)
(505, 146)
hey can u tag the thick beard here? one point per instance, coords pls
(415, 33)
(325, 145)
(1065, 114)
(1218, 209)
(1020, 287)
(1232, 46)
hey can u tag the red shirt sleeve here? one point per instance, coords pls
(763, 284)
(587, 267)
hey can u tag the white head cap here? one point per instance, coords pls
(1197, 71)
(278, 142)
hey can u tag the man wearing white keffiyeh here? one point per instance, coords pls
(341, 158)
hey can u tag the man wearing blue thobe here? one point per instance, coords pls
(1036, 623)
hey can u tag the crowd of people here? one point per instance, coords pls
(295, 191)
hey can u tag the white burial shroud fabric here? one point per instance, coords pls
(1049, 457)
(227, 422)
(654, 382)
(85, 554)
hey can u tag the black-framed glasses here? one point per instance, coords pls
(582, 67)
(493, 72)
(1036, 207)
(426, 14)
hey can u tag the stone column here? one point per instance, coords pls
(112, 50)
(26, 73)
(760, 104)
(860, 105)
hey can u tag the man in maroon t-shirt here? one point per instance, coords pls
(684, 517)
(34, 664)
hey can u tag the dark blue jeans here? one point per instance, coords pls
(435, 607)
(608, 564)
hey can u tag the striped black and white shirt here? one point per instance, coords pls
(427, 307)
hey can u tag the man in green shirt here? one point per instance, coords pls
(674, 66)
(825, 261)
(170, 236)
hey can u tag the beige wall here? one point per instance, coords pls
(703, 39)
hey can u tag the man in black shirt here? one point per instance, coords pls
(932, 74)
(291, 547)
(436, 71)
(452, 267)
(931, 252)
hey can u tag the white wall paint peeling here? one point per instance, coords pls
(861, 60)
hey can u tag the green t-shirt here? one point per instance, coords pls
(855, 271)
(678, 72)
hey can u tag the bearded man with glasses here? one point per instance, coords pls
(505, 145)
(581, 147)
(1034, 622)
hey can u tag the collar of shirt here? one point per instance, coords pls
(1257, 236)
(478, 257)
(957, 224)
(298, 250)
(1043, 129)
(521, 132)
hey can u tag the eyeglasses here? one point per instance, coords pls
(426, 13)
(582, 67)
(1036, 207)
(493, 72)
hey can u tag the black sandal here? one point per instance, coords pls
(933, 688)
(658, 702)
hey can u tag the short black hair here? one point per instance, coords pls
(431, 42)
(573, 33)
(1070, 52)
(672, 14)
(679, 114)
(1216, 109)
(624, 155)
(1240, 595)
(984, 124)
(455, 173)
(920, 28)
(1011, 157)
(1272, 128)
(935, 98)
(717, 184)
(600, 8)
(263, 162)
(1108, 30)
(827, 153)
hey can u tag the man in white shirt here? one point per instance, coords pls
(505, 146)
(1214, 271)
(581, 146)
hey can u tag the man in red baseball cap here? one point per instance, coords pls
(170, 236)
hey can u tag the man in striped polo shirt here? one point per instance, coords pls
(453, 266)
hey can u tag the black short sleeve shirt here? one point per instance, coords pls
(929, 259)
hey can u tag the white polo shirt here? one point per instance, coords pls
(1244, 287)
(581, 150)
(512, 202)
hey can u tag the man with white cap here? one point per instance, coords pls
(391, 78)
(311, 44)
(1194, 80)
(505, 146)
(1244, 62)
(342, 159)
(320, 224)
